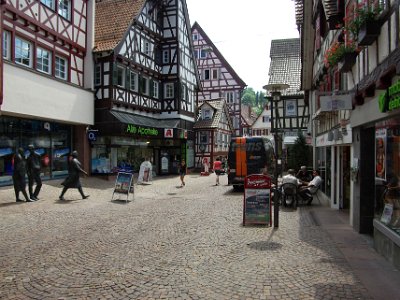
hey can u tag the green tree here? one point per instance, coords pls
(299, 154)
(249, 97)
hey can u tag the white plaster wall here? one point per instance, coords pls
(27, 94)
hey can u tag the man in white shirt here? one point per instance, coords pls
(311, 187)
(290, 178)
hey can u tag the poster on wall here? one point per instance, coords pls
(290, 108)
(380, 153)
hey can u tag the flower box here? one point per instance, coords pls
(368, 33)
(347, 62)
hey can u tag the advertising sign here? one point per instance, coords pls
(123, 184)
(257, 200)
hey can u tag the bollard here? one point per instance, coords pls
(276, 208)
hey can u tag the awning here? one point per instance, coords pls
(128, 118)
(289, 140)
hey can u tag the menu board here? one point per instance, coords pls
(257, 200)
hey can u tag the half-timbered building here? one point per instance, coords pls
(262, 125)
(354, 96)
(218, 78)
(145, 81)
(46, 96)
(213, 129)
(248, 117)
(290, 115)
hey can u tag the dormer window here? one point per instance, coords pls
(206, 114)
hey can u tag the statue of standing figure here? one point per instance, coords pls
(18, 176)
(33, 171)
(73, 181)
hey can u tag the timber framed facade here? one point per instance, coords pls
(218, 78)
(145, 77)
(356, 143)
(46, 81)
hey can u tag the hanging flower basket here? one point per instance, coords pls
(368, 32)
(347, 61)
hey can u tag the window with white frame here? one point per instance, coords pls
(196, 53)
(43, 60)
(61, 68)
(169, 90)
(147, 47)
(49, 3)
(6, 45)
(166, 58)
(64, 8)
(155, 89)
(133, 81)
(23, 52)
(145, 85)
(97, 75)
(184, 91)
(265, 119)
(195, 36)
(230, 97)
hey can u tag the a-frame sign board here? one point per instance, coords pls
(123, 185)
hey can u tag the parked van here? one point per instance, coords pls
(249, 155)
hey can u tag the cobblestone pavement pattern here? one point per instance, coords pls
(167, 243)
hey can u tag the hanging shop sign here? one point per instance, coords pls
(336, 102)
(390, 100)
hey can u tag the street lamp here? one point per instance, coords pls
(275, 90)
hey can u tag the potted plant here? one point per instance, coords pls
(341, 54)
(363, 23)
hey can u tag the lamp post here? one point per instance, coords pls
(275, 90)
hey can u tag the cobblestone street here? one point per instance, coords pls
(167, 243)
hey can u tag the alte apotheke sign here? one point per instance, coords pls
(141, 130)
(390, 100)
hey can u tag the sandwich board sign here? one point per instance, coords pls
(257, 200)
(123, 184)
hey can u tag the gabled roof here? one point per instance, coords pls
(285, 66)
(248, 115)
(219, 107)
(219, 54)
(113, 18)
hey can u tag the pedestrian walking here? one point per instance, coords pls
(182, 171)
(73, 181)
(19, 173)
(217, 166)
(33, 171)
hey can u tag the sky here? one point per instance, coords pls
(242, 31)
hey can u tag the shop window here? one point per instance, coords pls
(387, 174)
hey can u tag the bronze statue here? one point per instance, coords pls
(33, 171)
(19, 173)
(73, 181)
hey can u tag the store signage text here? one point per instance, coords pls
(141, 130)
(390, 99)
